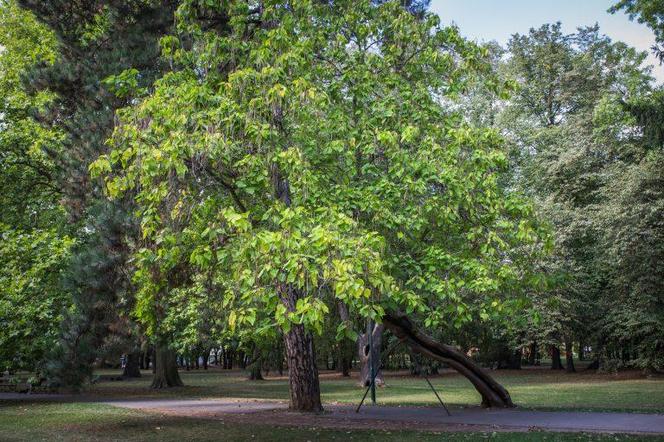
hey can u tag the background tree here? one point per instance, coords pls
(650, 12)
(34, 244)
(95, 39)
(568, 134)
(632, 236)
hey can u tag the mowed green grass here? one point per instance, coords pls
(93, 422)
(536, 389)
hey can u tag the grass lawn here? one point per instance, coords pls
(93, 422)
(536, 389)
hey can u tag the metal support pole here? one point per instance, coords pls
(373, 378)
(372, 370)
(412, 358)
(436, 393)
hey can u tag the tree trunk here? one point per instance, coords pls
(569, 357)
(556, 363)
(582, 355)
(302, 371)
(255, 366)
(363, 353)
(255, 372)
(166, 369)
(345, 366)
(132, 368)
(346, 351)
(493, 394)
(515, 359)
(532, 356)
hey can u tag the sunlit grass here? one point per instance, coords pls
(539, 389)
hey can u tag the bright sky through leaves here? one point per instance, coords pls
(486, 20)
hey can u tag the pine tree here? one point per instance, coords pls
(96, 40)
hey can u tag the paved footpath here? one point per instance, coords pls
(514, 419)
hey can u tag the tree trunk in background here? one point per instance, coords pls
(582, 355)
(344, 366)
(363, 354)
(255, 367)
(569, 357)
(532, 357)
(303, 382)
(493, 394)
(345, 350)
(166, 369)
(556, 363)
(255, 372)
(132, 368)
(515, 359)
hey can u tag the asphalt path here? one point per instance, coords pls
(510, 419)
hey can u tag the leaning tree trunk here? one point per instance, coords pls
(303, 382)
(166, 368)
(493, 394)
(132, 368)
(364, 356)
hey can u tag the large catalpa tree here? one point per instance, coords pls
(307, 158)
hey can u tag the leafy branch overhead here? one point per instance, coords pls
(392, 201)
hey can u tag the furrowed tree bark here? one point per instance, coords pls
(166, 369)
(303, 382)
(302, 371)
(493, 394)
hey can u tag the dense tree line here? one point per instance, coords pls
(253, 184)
